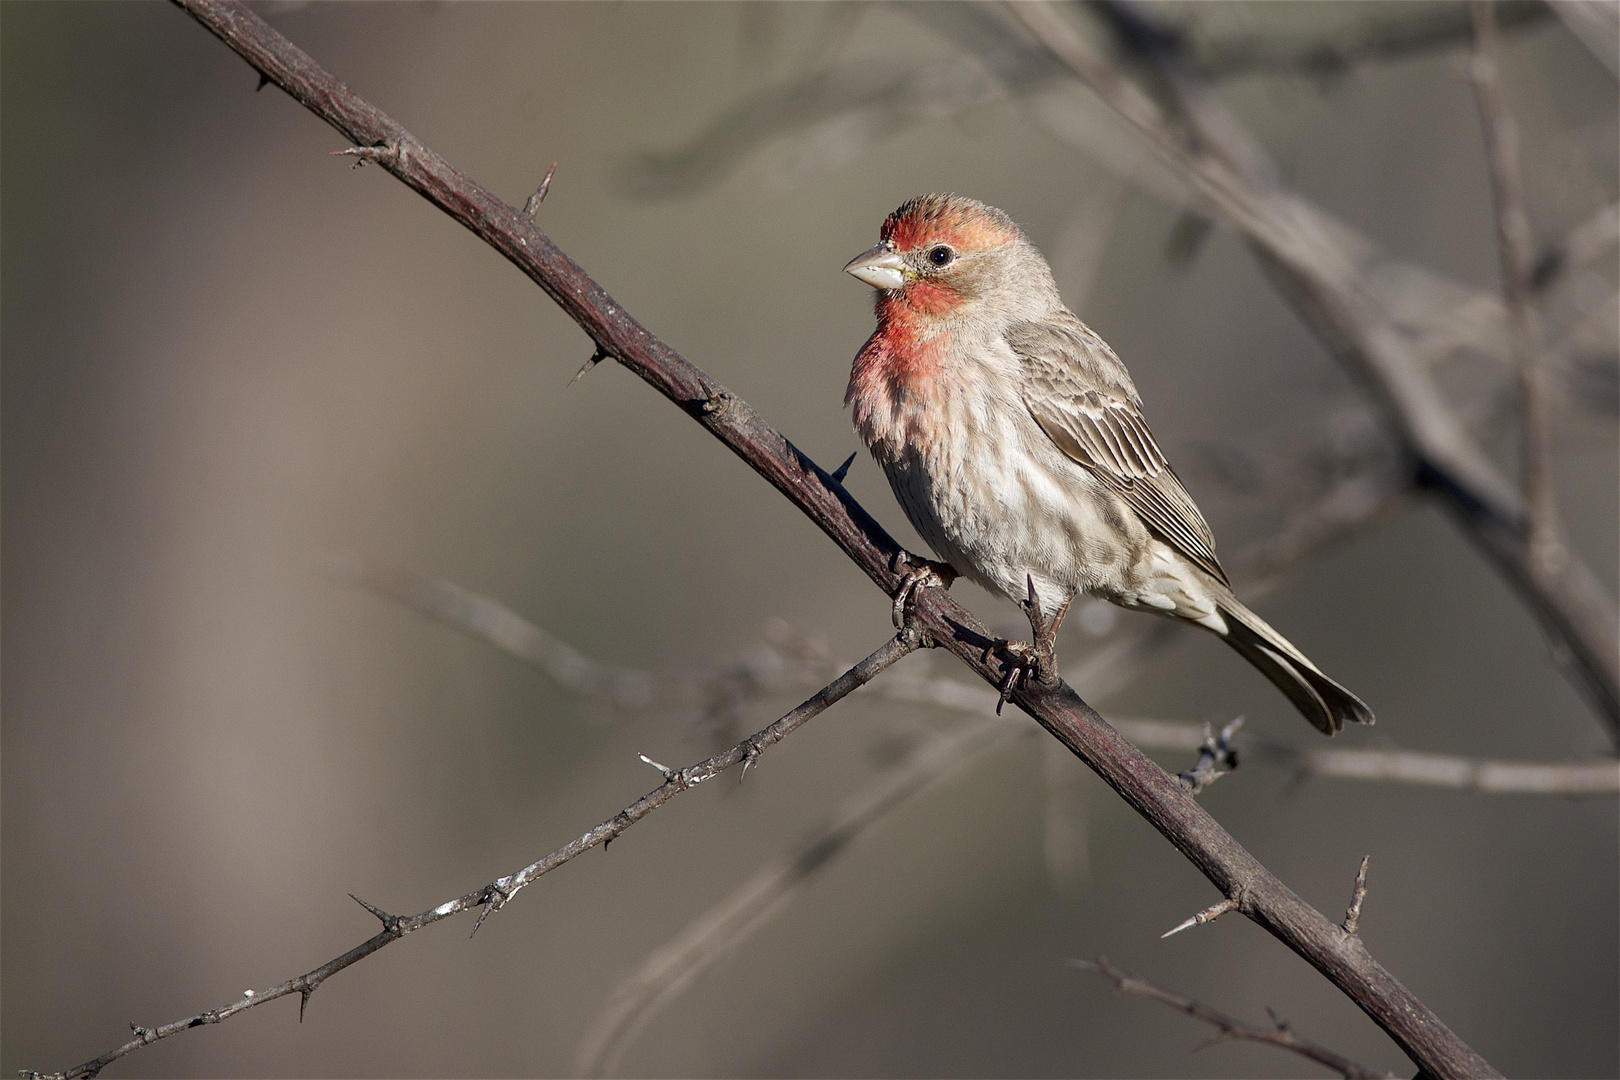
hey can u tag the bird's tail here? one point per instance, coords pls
(1324, 702)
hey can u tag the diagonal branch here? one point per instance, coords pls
(1146, 787)
(493, 897)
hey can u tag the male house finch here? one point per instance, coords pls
(1015, 442)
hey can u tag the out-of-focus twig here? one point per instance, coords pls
(1379, 33)
(725, 926)
(494, 896)
(1230, 1027)
(1595, 24)
(1216, 757)
(784, 669)
(1514, 246)
(1301, 247)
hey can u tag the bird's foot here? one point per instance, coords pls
(1023, 663)
(1037, 661)
(919, 574)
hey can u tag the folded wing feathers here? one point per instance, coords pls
(1109, 436)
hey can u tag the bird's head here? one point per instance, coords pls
(941, 256)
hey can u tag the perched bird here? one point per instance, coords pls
(1014, 440)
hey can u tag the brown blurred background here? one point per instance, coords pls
(227, 354)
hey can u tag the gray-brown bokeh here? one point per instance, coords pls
(226, 354)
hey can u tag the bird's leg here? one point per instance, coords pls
(1045, 633)
(1038, 660)
(919, 574)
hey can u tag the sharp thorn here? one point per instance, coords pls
(264, 81)
(1179, 927)
(1209, 914)
(531, 207)
(669, 773)
(382, 916)
(596, 358)
(842, 471)
(303, 1001)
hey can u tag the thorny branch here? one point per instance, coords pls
(1152, 792)
(496, 894)
(787, 665)
(1230, 1027)
(724, 927)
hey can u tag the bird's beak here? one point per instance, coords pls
(880, 267)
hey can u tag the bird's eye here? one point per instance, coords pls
(940, 255)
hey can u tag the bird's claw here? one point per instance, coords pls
(1030, 662)
(1022, 659)
(923, 575)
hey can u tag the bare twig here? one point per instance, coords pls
(1382, 33)
(1315, 262)
(494, 896)
(1595, 24)
(1578, 247)
(1153, 793)
(1352, 914)
(780, 671)
(748, 907)
(1515, 247)
(1216, 757)
(1482, 775)
(1230, 1027)
(725, 926)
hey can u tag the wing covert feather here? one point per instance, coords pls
(1079, 393)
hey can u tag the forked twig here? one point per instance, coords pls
(1230, 1027)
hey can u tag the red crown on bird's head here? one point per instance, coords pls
(965, 224)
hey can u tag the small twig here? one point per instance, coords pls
(1352, 914)
(1209, 914)
(1515, 248)
(724, 927)
(1380, 35)
(1316, 261)
(532, 207)
(1216, 758)
(779, 672)
(497, 893)
(1230, 1027)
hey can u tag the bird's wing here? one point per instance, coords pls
(1079, 393)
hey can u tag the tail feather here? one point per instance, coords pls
(1324, 702)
